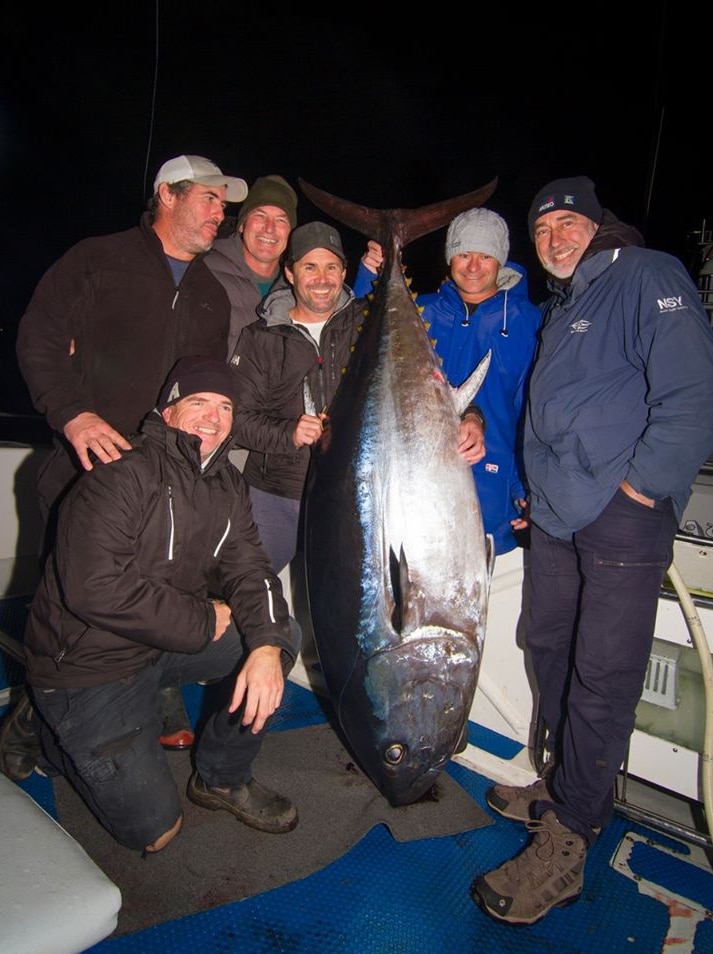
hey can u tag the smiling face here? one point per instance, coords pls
(207, 415)
(265, 232)
(317, 279)
(561, 239)
(476, 275)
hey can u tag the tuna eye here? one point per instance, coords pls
(395, 753)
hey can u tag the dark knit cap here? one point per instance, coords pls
(194, 375)
(270, 190)
(573, 195)
(314, 235)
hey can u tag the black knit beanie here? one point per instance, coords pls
(575, 195)
(195, 375)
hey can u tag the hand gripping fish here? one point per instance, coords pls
(397, 563)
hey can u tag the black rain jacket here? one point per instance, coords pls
(141, 544)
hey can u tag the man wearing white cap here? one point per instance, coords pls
(482, 306)
(104, 327)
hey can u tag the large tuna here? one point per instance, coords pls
(397, 563)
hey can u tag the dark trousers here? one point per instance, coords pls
(590, 628)
(105, 739)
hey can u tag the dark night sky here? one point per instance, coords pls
(92, 104)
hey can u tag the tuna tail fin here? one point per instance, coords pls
(463, 395)
(396, 226)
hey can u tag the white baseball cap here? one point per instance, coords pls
(203, 171)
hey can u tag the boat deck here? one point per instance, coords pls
(644, 891)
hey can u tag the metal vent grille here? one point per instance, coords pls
(661, 683)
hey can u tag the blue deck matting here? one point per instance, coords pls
(389, 897)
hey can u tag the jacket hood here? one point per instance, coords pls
(613, 233)
(511, 278)
(512, 289)
(275, 307)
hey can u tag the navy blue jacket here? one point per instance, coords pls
(622, 387)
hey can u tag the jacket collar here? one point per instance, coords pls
(185, 447)
(275, 308)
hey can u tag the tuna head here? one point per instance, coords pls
(405, 714)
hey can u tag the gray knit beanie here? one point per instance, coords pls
(478, 230)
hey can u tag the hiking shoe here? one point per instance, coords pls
(548, 873)
(516, 801)
(19, 743)
(253, 804)
(176, 730)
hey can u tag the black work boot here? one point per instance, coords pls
(19, 742)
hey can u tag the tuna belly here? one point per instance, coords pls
(404, 710)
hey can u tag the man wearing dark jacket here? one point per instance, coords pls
(618, 425)
(108, 321)
(104, 327)
(289, 363)
(153, 556)
(248, 262)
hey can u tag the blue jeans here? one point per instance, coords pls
(277, 520)
(590, 628)
(105, 739)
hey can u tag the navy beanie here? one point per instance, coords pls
(196, 375)
(574, 195)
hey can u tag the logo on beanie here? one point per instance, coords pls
(174, 394)
(551, 203)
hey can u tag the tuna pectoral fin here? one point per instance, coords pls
(464, 395)
(409, 606)
(489, 556)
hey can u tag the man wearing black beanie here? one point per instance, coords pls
(158, 578)
(618, 425)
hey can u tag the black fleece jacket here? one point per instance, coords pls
(113, 300)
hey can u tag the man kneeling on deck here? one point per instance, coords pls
(125, 607)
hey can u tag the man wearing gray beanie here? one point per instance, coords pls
(248, 262)
(617, 426)
(482, 306)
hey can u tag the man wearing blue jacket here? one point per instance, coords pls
(618, 425)
(483, 306)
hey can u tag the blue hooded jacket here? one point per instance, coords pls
(507, 324)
